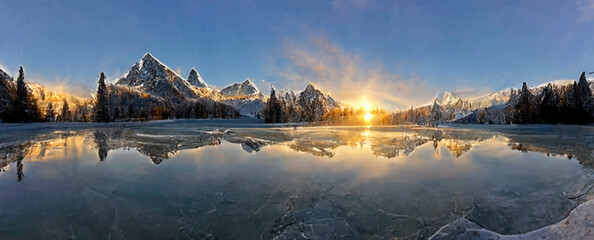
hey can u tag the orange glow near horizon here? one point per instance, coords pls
(368, 117)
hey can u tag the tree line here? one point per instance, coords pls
(111, 103)
(552, 104)
(568, 104)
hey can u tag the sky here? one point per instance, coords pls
(393, 53)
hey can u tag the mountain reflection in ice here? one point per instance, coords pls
(153, 181)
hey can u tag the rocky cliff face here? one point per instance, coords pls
(6, 91)
(152, 77)
(309, 105)
(151, 90)
(196, 80)
(313, 103)
(244, 89)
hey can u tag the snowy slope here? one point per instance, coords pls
(311, 94)
(251, 107)
(196, 80)
(155, 78)
(244, 89)
(4, 75)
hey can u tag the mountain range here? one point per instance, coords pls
(572, 99)
(152, 90)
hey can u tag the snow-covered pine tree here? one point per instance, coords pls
(272, 111)
(50, 115)
(65, 113)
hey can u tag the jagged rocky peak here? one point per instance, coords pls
(244, 89)
(447, 99)
(310, 87)
(248, 88)
(155, 78)
(195, 79)
(311, 93)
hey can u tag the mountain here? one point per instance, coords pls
(250, 106)
(196, 80)
(244, 89)
(314, 103)
(244, 96)
(309, 105)
(151, 76)
(447, 99)
(4, 75)
(45, 95)
(7, 91)
(491, 99)
(151, 90)
(565, 101)
(42, 96)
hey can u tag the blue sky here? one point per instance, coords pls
(429, 46)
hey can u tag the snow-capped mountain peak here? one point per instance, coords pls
(155, 78)
(310, 87)
(248, 88)
(311, 93)
(447, 99)
(243, 89)
(195, 79)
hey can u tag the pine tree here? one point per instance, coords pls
(24, 106)
(526, 107)
(272, 112)
(550, 105)
(101, 107)
(65, 115)
(584, 101)
(50, 115)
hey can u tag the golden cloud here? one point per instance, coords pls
(348, 78)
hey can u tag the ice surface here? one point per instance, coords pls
(232, 179)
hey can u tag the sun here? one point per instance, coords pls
(367, 107)
(367, 117)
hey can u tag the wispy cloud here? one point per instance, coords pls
(347, 77)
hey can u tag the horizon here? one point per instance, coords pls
(394, 54)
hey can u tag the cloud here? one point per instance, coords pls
(348, 78)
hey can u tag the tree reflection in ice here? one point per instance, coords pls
(384, 182)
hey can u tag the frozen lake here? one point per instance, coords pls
(208, 179)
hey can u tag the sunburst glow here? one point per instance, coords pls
(368, 117)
